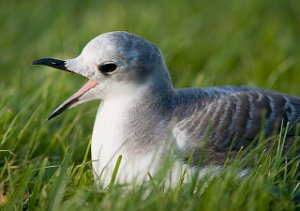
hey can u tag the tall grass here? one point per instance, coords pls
(46, 165)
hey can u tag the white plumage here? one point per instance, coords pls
(140, 107)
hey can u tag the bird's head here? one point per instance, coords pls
(116, 64)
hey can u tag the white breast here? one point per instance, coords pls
(108, 142)
(108, 135)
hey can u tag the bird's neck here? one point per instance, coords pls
(128, 118)
(130, 125)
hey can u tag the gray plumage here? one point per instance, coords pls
(222, 115)
(233, 115)
(140, 106)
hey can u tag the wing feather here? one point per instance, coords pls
(232, 114)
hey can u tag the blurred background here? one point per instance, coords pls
(205, 43)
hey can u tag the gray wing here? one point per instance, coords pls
(224, 114)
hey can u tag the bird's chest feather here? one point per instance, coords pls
(111, 138)
(109, 130)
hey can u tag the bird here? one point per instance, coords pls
(141, 115)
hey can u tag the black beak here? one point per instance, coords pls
(75, 98)
(56, 63)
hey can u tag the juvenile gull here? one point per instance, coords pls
(140, 108)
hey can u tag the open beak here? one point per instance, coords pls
(75, 98)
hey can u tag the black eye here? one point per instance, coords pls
(107, 68)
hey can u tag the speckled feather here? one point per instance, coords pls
(231, 113)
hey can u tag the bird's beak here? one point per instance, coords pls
(75, 98)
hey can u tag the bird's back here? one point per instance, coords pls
(230, 117)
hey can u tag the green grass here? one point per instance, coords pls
(46, 165)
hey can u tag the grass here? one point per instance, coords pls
(46, 165)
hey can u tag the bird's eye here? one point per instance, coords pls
(107, 68)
